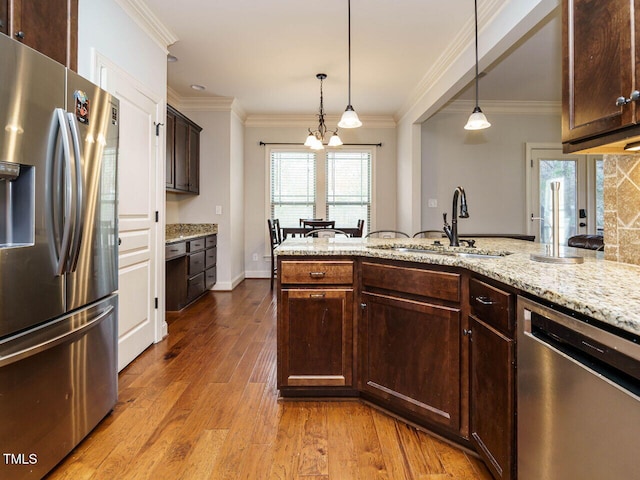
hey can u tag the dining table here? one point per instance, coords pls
(302, 231)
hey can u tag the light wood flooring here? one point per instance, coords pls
(203, 404)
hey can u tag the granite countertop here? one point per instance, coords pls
(178, 232)
(601, 289)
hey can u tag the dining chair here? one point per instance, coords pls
(360, 228)
(275, 238)
(325, 233)
(386, 234)
(429, 234)
(302, 220)
(316, 224)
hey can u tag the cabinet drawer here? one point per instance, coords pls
(211, 255)
(196, 263)
(195, 245)
(335, 273)
(210, 277)
(195, 286)
(428, 283)
(491, 305)
(211, 241)
(175, 250)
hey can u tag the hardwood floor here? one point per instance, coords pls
(203, 404)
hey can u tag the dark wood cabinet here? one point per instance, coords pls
(4, 16)
(492, 373)
(50, 27)
(315, 327)
(183, 153)
(190, 270)
(600, 66)
(409, 342)
(410, 357)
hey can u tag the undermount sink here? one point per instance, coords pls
(444, 251)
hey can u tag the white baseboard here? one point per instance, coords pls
(228, 286)
(257, 274)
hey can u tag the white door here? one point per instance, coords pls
(137, 206)
(580, 196)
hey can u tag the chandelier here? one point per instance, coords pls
(315, 138)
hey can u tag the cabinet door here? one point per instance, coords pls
(597, 67)
(4, 16)
(49, 27)
(181, 155)
(170, 153)
(492, 398)
(315, 338)
(410, 357)
(194, 160)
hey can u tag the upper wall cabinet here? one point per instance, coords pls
(183, 153)
(599, 91)
(50, 27)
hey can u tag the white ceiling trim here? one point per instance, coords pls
(505, 107)
(140, 13)
(448, 58)
(311, 121)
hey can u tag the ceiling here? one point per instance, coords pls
(266, 54)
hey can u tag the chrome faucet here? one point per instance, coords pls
(452, 231)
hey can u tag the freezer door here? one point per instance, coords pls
(31, 88)
(57, 382)
(93, 118)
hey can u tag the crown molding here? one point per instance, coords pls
(309, 120)
(140, 13)
(486, 12)
(206, 104)
(492, 107)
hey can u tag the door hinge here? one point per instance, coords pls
(158, 125)
(156, 302)
(157, 216)
(531, 160)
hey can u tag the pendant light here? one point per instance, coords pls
(316, 137)
(349, 117)
(477, 119)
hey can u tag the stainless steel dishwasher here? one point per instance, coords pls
(578, 398)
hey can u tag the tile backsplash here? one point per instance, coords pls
(622, 208)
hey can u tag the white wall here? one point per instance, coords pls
(221, 184)
(104, 27)
(490, 165)
(256, 169)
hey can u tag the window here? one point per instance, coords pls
(334, 185)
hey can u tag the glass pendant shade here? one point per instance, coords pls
(349, 119)
(310, 140)
(477, 120)
(335, 140)
(317, 144)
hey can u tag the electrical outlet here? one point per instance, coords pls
(432, 203)
(218, 209)
(255, 257)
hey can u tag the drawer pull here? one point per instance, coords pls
(317, 274)
(317, 295)
(485, 301)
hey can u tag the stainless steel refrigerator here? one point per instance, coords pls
(58, 259)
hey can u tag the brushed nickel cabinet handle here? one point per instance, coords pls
(317, 274)
(485, 301)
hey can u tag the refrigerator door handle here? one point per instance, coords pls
(79, 193)
(67, 336)
(64, 135)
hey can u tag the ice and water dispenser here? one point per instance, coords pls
(17, 205)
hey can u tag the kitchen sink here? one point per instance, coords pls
(447, 251)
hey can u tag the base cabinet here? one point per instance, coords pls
(317, 339)
(493, 377)
(190, 270)
(410, 357)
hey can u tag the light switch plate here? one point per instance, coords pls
(432, 203)
(218, 209)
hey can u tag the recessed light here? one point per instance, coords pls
(199, 88)
(171, 58)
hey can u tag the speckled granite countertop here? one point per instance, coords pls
(178, 232)
(601, 289)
